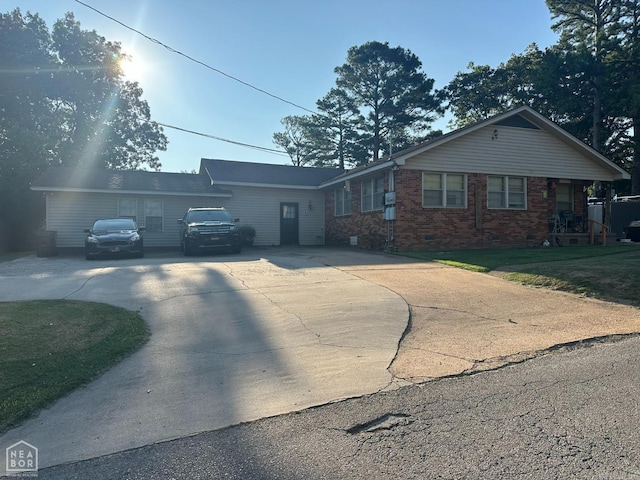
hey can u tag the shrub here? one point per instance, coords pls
(247, 234)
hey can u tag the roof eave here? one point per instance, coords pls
(350, 176)
(266, 185)
(130, 192)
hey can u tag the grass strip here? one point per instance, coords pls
(616, 278)
(50, 347)
(486, 260)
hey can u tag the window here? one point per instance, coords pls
(373, 194)
(444, 190)
(342, 201)
(289, 211)
(153, 215)
(564, 197)
(507, 192)
(128, 208)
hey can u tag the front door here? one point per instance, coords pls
(288, 224)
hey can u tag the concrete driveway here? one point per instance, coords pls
(237, 338)
(234, 338)
(463, 322)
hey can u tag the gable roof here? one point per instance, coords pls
(215, 173)
(523, 117)
(227, 172)
(69, 179)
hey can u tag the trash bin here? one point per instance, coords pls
(633, 231)
(46, 246)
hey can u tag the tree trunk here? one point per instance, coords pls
(597, 117)
(635, 168)
(376, 140)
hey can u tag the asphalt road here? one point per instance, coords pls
(569, 414)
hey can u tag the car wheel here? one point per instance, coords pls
(87, 256)
(187, 250)
(237, 249)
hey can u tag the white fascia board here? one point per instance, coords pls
(266, 185)
(619, 173)
(128, 192)
(361, 173)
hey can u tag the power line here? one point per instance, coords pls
(172, 50)
(263, 149)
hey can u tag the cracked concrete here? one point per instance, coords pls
(234, 339)
(282, 332)
(463, 322)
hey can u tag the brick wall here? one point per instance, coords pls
(419, 228)
(369, 227)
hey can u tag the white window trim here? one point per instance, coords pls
(120, 214)
(372, 180)
(571, 197)
(341, 194)
(161, 213)
(443, 199)
(506, 192)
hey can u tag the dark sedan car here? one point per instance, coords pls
(114, 237)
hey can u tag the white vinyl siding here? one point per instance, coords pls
(516, 151)
(507, 192)
(260, 207)
(372, 194)
(342, 202)
(153, 216)
(69, 213)
(444, 190)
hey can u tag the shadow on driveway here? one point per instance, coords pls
(234, 338)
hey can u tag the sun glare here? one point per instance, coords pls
(133, 68)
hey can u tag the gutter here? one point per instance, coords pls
(350, 176)
(129, 192)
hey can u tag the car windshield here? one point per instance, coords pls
(208, 216)
(114, 225)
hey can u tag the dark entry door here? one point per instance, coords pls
(288, 224)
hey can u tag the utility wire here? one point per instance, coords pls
(263, 149)
(172, 50)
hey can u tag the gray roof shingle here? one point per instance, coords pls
(226, 171)
(85, 179)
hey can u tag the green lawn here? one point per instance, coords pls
(51, 347)
(610, 273)
(7, 257)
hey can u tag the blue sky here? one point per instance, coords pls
(288, 48)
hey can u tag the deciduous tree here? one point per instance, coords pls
(296, 140)
(63, 101)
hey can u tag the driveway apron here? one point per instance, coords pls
(234, 339)
(464, 322)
